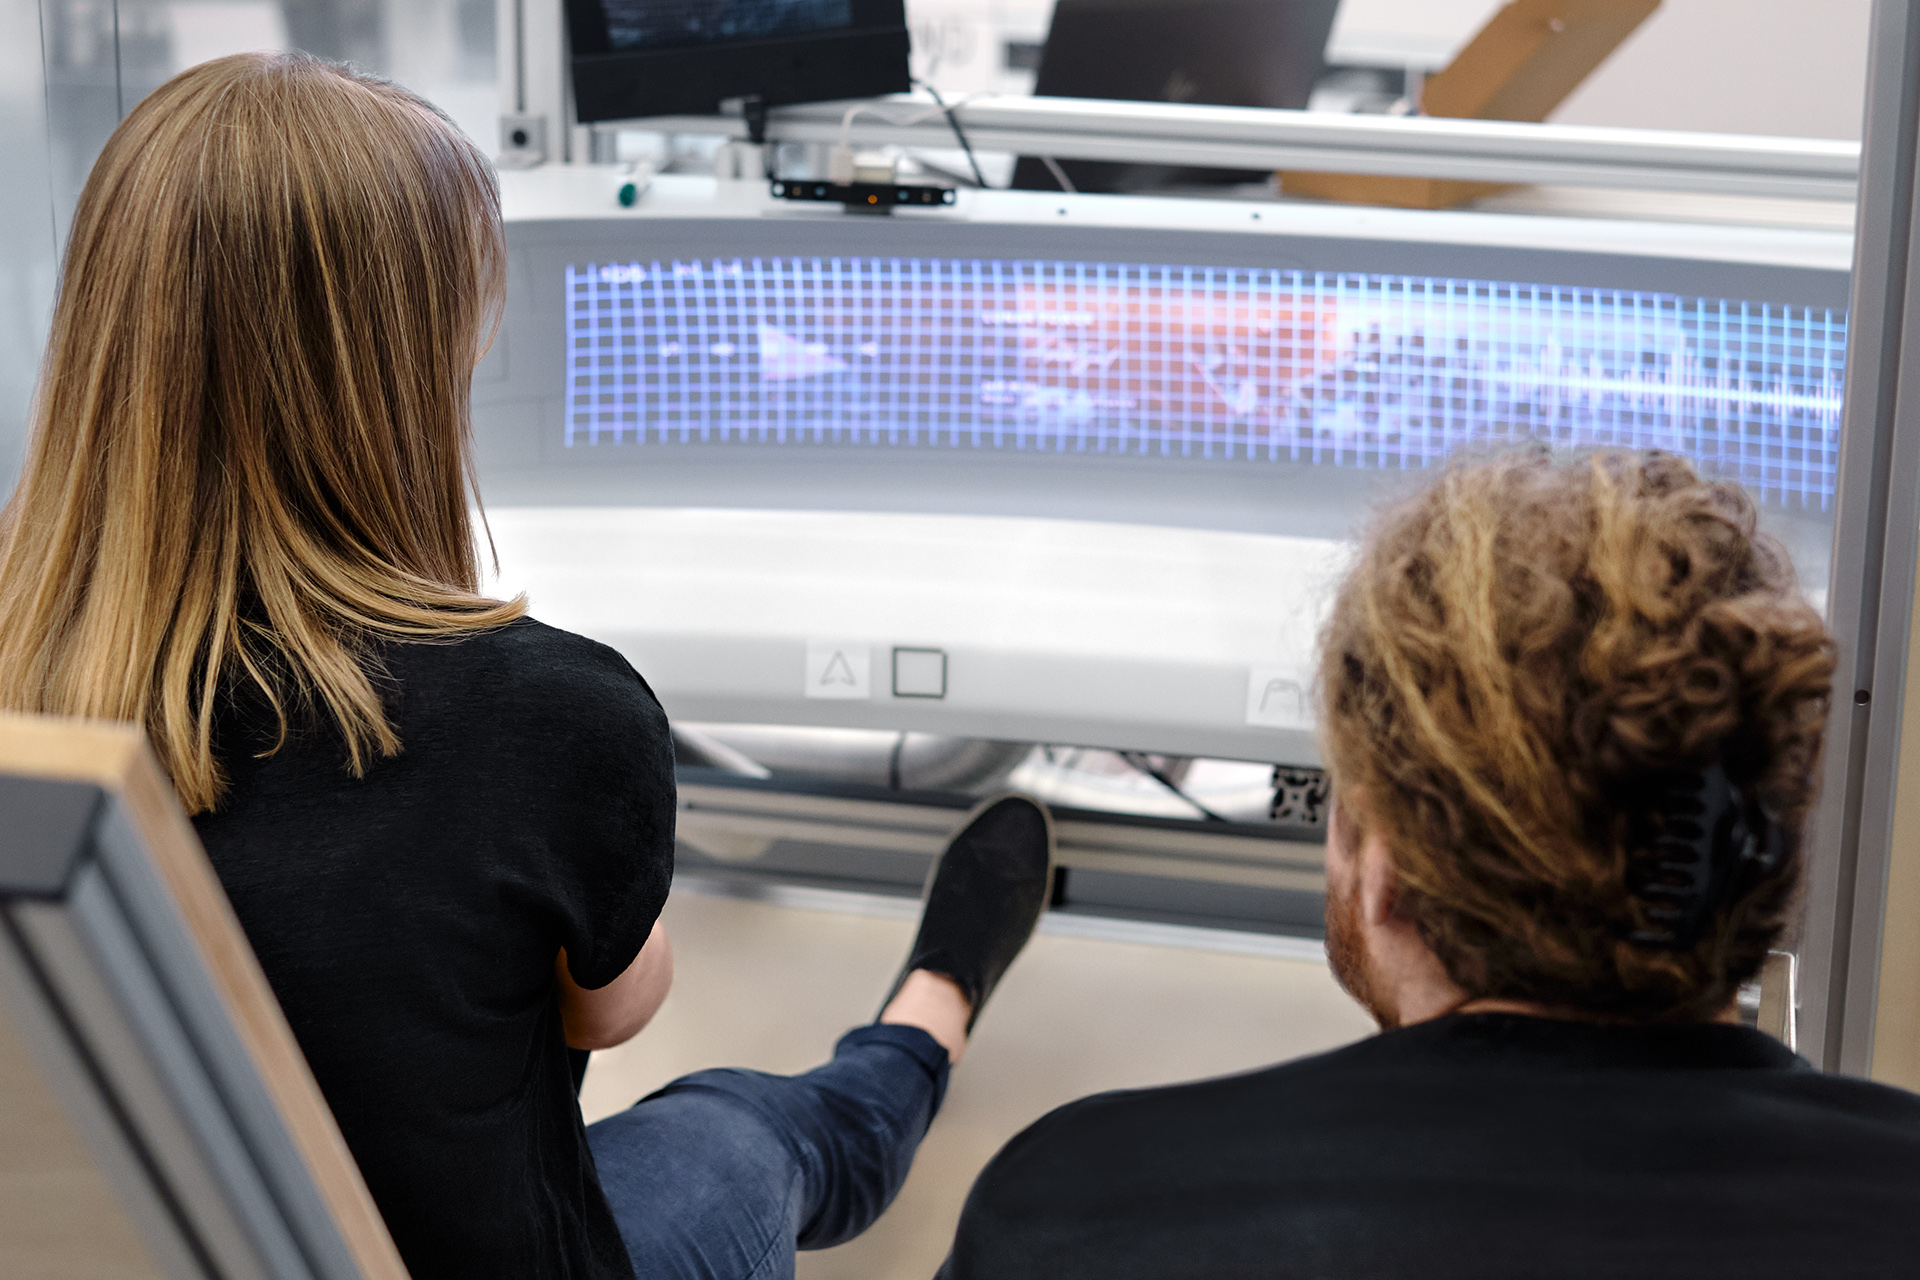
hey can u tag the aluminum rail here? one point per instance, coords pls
(1258, 138)
(1858, 841)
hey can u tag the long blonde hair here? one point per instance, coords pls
(251, 454)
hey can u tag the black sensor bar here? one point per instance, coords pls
(863, 195)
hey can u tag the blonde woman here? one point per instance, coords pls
(446, 828)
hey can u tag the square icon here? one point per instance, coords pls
(919, 673)
(1280, 698)
(837, 669)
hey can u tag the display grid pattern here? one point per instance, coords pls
(1192, 361)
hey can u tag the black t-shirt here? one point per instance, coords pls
(409, 920)
(1476, 1146)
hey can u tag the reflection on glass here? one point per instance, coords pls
(103, 56)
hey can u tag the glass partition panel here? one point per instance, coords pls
(103, 56)
(26, 227)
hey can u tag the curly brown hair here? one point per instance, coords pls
(1521, 651)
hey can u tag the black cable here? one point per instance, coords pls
(1146, 766)
(959, 133)
(753, 109)
(940, 170)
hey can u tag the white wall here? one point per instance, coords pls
(961, 44)
(1417, 33)
(1790, 67)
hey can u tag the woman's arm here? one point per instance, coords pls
(614, 1014)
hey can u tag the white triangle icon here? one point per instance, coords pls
(838, 671)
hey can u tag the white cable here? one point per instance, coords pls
(846, 121)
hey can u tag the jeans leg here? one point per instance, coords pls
(723, 1174)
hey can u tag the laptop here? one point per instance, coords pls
(1230, 53)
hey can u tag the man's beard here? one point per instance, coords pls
(1347, 955)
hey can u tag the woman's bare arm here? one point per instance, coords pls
(614, 1014)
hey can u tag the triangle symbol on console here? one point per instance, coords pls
(839, 670)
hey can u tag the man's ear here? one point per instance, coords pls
(1378, 885)
(1340, 835)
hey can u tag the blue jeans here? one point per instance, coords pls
(723, 1174)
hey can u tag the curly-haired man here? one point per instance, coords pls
(1573, 713)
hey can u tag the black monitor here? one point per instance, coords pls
(1228, 53)
(636, 58)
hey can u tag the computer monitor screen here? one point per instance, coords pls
(1246, 366)
(668, 24)
(635, 58)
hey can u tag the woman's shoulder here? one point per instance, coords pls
(523, 668)
(532, 644)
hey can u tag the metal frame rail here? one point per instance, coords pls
(1876, 546)
(1259, 138)
(1244, 876)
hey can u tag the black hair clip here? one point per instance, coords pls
(1703, 844)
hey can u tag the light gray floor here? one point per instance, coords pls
(772, 984)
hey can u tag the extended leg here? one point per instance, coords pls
(719, 1175)
(722, 1174)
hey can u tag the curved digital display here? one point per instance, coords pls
(1195, 361)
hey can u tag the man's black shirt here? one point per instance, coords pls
(409, 920)
(1485, 1145)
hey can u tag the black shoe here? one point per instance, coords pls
(984, 896)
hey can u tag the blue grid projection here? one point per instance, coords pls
(1355, 370)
